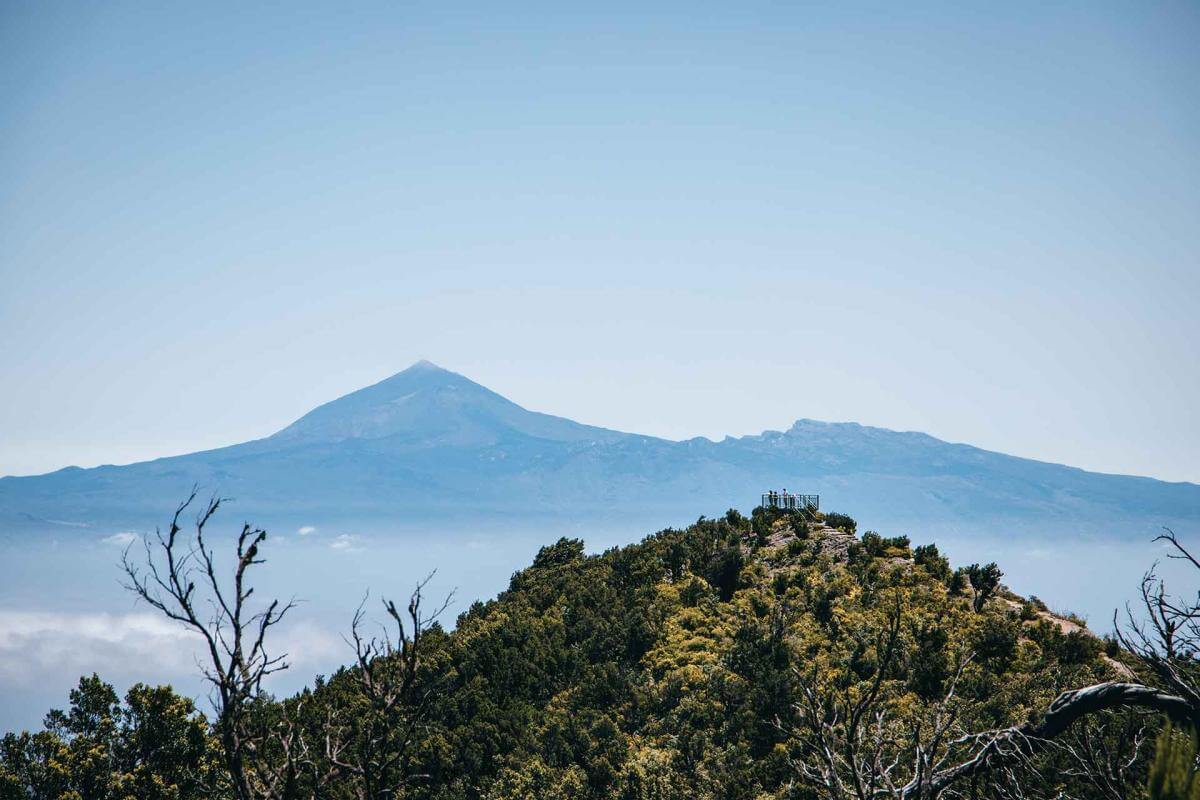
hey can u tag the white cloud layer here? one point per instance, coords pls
(35, 645)
(43, 648)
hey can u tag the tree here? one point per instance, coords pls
(1166, 645)
(934, 562)
(179, 577)
(723, 571)
(370, 743)
(164, 751)
(88, 732)
(842, 522)
(984, 582)
(154, 746)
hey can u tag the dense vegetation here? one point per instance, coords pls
(775, 656)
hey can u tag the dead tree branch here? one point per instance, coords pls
(179, 577)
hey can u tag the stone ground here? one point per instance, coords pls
(833, 541)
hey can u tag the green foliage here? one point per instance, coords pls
(994, 641)
(1073, 647)
(872, 544)
(672, 668)
(958, 582)
(929, 667)
(736, 520)
(1173, 774)
(798, 525)
(984, 582)
(842, 522)
(877, 546)
(154, 746)
(723, 570)
(933, 562)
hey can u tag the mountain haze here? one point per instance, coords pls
(429, 444)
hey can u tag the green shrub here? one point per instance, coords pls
(1173, 773)
(985, 581)
(958, 582)
(842, 522)
(736, 520)
(1078, 647)
(877, 546)
(723, 571)
(798, 524)
(995, 642)
(933, 562)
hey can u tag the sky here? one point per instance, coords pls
(981, 221)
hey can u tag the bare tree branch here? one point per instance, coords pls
(178, 577)
(373, 749)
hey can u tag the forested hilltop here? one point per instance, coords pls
(776, 656)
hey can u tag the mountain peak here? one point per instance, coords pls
(422, 369)
(423, 365)
(428, 404)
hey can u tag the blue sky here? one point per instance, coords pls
(676, 219)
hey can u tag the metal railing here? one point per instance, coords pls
(791, 502)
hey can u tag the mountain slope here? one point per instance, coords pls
(427, 443)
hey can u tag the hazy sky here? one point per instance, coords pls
(678, 219)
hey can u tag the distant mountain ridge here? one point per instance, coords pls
(430, 444)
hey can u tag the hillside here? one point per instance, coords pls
(431, 445)
(716, 661)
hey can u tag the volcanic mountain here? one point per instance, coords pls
(428, 444)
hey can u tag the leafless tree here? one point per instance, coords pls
(1102, 751)
(179, 576)
(372, 748)
(1167, 640)
(1010, 750)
